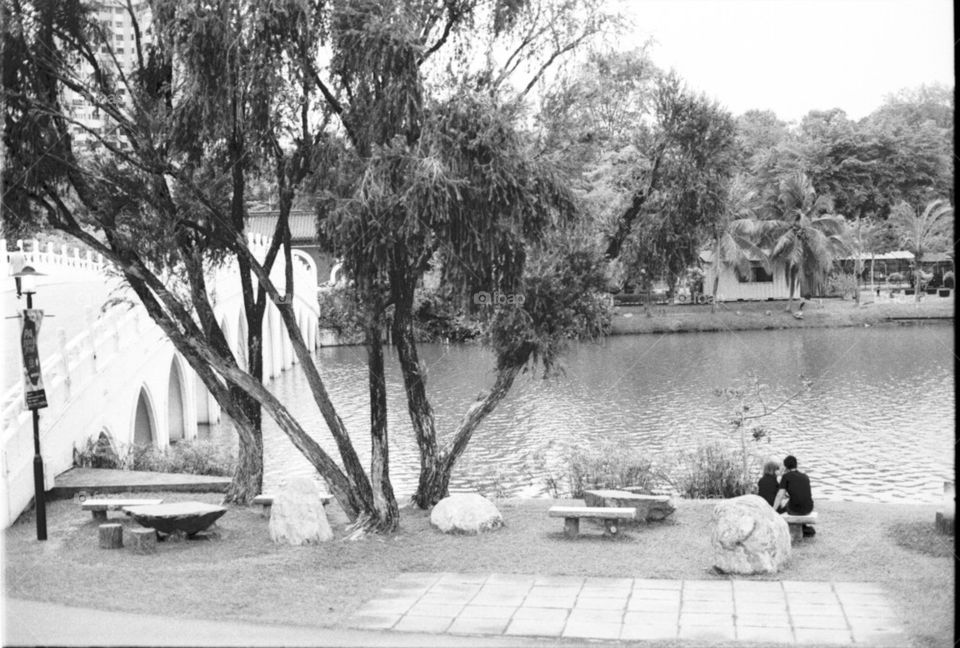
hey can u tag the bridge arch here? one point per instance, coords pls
(144, 423)
(177, 423)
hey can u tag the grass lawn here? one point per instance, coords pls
(241, 575)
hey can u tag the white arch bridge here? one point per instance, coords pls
(120, 375)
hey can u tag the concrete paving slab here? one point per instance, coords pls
(608, 583)
(478, 625)
(473, 611)
(808, 587)
(430, 624)
(433, 609)
(656, 583)
(604, 603)
(705, 618)
(759, 607)
(652, 618)
(543, 601)
(551, 615)
(497, 599)
(559, 581)
(584, 630)
(850, 587)
(757, 587)
(648, 632)
(510, 579)
(707, 632)
(822, 636)
(377, 607)
(769, 634)
(462, 579)
(780, 620)
(818, 622)
(106, 480)
(374, 621)
(819, 611)
(655, 594)
(535, 627)
(595, 616)
(700, 606)
(653, 605)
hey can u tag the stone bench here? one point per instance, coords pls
(99, 507)
(177, 517)
(649, 508)
(266, 501)
(796, 523)
(573, 514)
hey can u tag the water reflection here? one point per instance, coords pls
(876, 426)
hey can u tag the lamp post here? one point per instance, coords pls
(35, 396)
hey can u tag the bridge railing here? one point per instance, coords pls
(47, 256)
(72, 369)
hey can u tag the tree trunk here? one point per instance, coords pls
(247, 480)
(435, 481)
(386, 514)
(414, 383)
(792, 274)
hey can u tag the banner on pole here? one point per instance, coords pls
(33, 394)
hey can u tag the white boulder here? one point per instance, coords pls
(297, 516)
(465, 513)
(749, 537)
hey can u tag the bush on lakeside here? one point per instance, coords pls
(611, 464)
(185, 456)
(715, 470)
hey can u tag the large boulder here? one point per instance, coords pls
(465, 513)
(749, 537)
(297, 516)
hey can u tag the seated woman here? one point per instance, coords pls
(768, 485)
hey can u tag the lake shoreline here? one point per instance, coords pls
(755, 316)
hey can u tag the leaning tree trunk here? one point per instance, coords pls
(435, 484)
(247, 480)
(792, 275)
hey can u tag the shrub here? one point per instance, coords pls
(612, 464)
(194, 457)
(716, 470)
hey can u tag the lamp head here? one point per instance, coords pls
(26, 280)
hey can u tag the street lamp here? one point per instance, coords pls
(35, 397)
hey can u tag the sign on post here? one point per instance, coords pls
(33, 394)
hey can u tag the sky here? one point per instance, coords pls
(793, 56)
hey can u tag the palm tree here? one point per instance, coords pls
(862, 238)
(921, 232)
(735, 234)
(801, 233)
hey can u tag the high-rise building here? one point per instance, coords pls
(118, 23)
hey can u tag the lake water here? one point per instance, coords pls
(876, 425)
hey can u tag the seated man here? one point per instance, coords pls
(767, 487)
(795, 489)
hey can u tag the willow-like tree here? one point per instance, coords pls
(446, 179)
(222, 94)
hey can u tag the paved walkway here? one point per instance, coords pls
(105, 480)
(634, 609)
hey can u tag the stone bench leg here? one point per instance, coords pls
(99, 515)
(265, 512)
(611, 527)
(111, 536)
(143, 541)
(796, 532)
(571, 527)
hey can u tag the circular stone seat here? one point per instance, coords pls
(185, 517)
